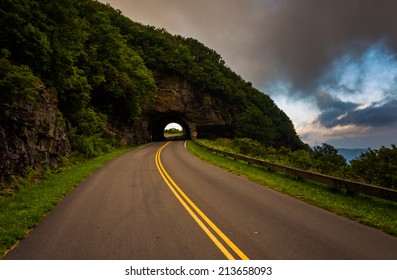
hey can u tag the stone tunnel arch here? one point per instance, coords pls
(160, 122)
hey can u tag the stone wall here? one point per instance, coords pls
(31, 135)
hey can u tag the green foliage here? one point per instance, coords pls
(80, 55)
(327, 160)
(122, 85)
(23, 32)
(377, 167)
(74, 96)
(253, 124)
(18, 83)
(302, 159)
(91, 137)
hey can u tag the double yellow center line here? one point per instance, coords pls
(213, 232)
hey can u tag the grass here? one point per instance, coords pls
(24, 210)
(368, 210)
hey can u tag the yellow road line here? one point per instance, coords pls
(185, 200)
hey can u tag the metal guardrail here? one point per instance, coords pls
(351, 187)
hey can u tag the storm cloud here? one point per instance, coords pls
(310, 47)
(338, 113)
(333, 110)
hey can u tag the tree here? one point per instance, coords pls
(377, 167)
(327, 160)
(255, 125)
(17, 83)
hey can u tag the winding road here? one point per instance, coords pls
(161, 202)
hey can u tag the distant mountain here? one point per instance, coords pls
(350, 154)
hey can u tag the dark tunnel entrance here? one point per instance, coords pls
(160, 124)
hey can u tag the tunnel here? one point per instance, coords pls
(162, 121)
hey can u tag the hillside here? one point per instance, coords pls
(93, 72)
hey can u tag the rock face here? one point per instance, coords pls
(176, 100)
(31, 135)
(197, 112)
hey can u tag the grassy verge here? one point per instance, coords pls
(371, 211)
(24, 210)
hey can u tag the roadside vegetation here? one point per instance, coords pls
(371, 211)
(24, 205)
(374, 166)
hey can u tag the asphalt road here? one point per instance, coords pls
(155, 203)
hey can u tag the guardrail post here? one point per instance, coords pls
(337, 184)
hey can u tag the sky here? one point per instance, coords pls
(330, 65)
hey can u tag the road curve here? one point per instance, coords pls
(129, 210)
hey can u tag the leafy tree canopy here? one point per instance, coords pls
(377, 167)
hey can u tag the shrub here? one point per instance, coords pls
(91, 137)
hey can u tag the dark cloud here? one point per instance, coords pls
(326, 101)
(332, 109)
(338, 113)
(376, 115)
(311, 34)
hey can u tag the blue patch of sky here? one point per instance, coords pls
(366, 79)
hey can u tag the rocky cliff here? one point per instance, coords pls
(176, 95)
(31, 135)
(176, 100)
